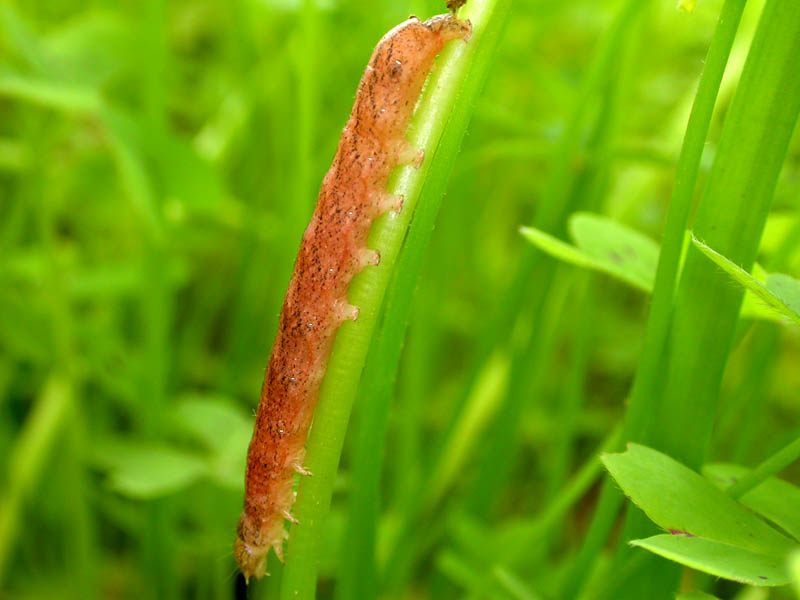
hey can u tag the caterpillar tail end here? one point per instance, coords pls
(252, 559)
(253, 543)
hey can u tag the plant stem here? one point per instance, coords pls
(28, 461)
(358, 575)
(452, 75)
(774, 464)
(731, 219)
(649, 371)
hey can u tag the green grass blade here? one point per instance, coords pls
(649, 368)
(648, 373)
(731, 218)
(512, 585)
(591, 130)
(29, 459)
(358, 575)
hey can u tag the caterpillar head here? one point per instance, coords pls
(448, 27)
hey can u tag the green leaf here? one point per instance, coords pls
(603, 245)
(50, 94)
(224, 429)
(774, 499)
(609, 247)
(718, 559)
(561, 250)
(188, 179)
(145, 472)
(683, 502)
(787, 290)
(212, 420)
(783, 286)
(631, 255)
(91, 48)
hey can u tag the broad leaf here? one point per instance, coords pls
(622, 252)
(774, 499)
(603, 245)
(684, 503)
(214, 421)
(224, 429)
(563, 251)
(631, 255)
(718, 559)
(786, 289)
(146, 471)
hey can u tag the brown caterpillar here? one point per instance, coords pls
(333, 250)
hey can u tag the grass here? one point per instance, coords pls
(158, 164)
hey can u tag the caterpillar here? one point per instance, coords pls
(333, 249)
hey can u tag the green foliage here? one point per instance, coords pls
(158, 164)
(144, 472)
(780, 292)
(774, 499)
(141, 470)
(708, 530)
(605, 246)
(718, 559)
(457, 78)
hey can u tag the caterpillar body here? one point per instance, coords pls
(333, 250)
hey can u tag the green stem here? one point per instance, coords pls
(339, 388)
(358, 571)
(572, 394)
(565, 499)
(28, 461)
(731, 218)
(649, 371)
(774, 464)
(590, 130)
(307, 76)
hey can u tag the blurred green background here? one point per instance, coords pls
(158, 164)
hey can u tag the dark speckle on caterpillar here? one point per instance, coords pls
(332, 251)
